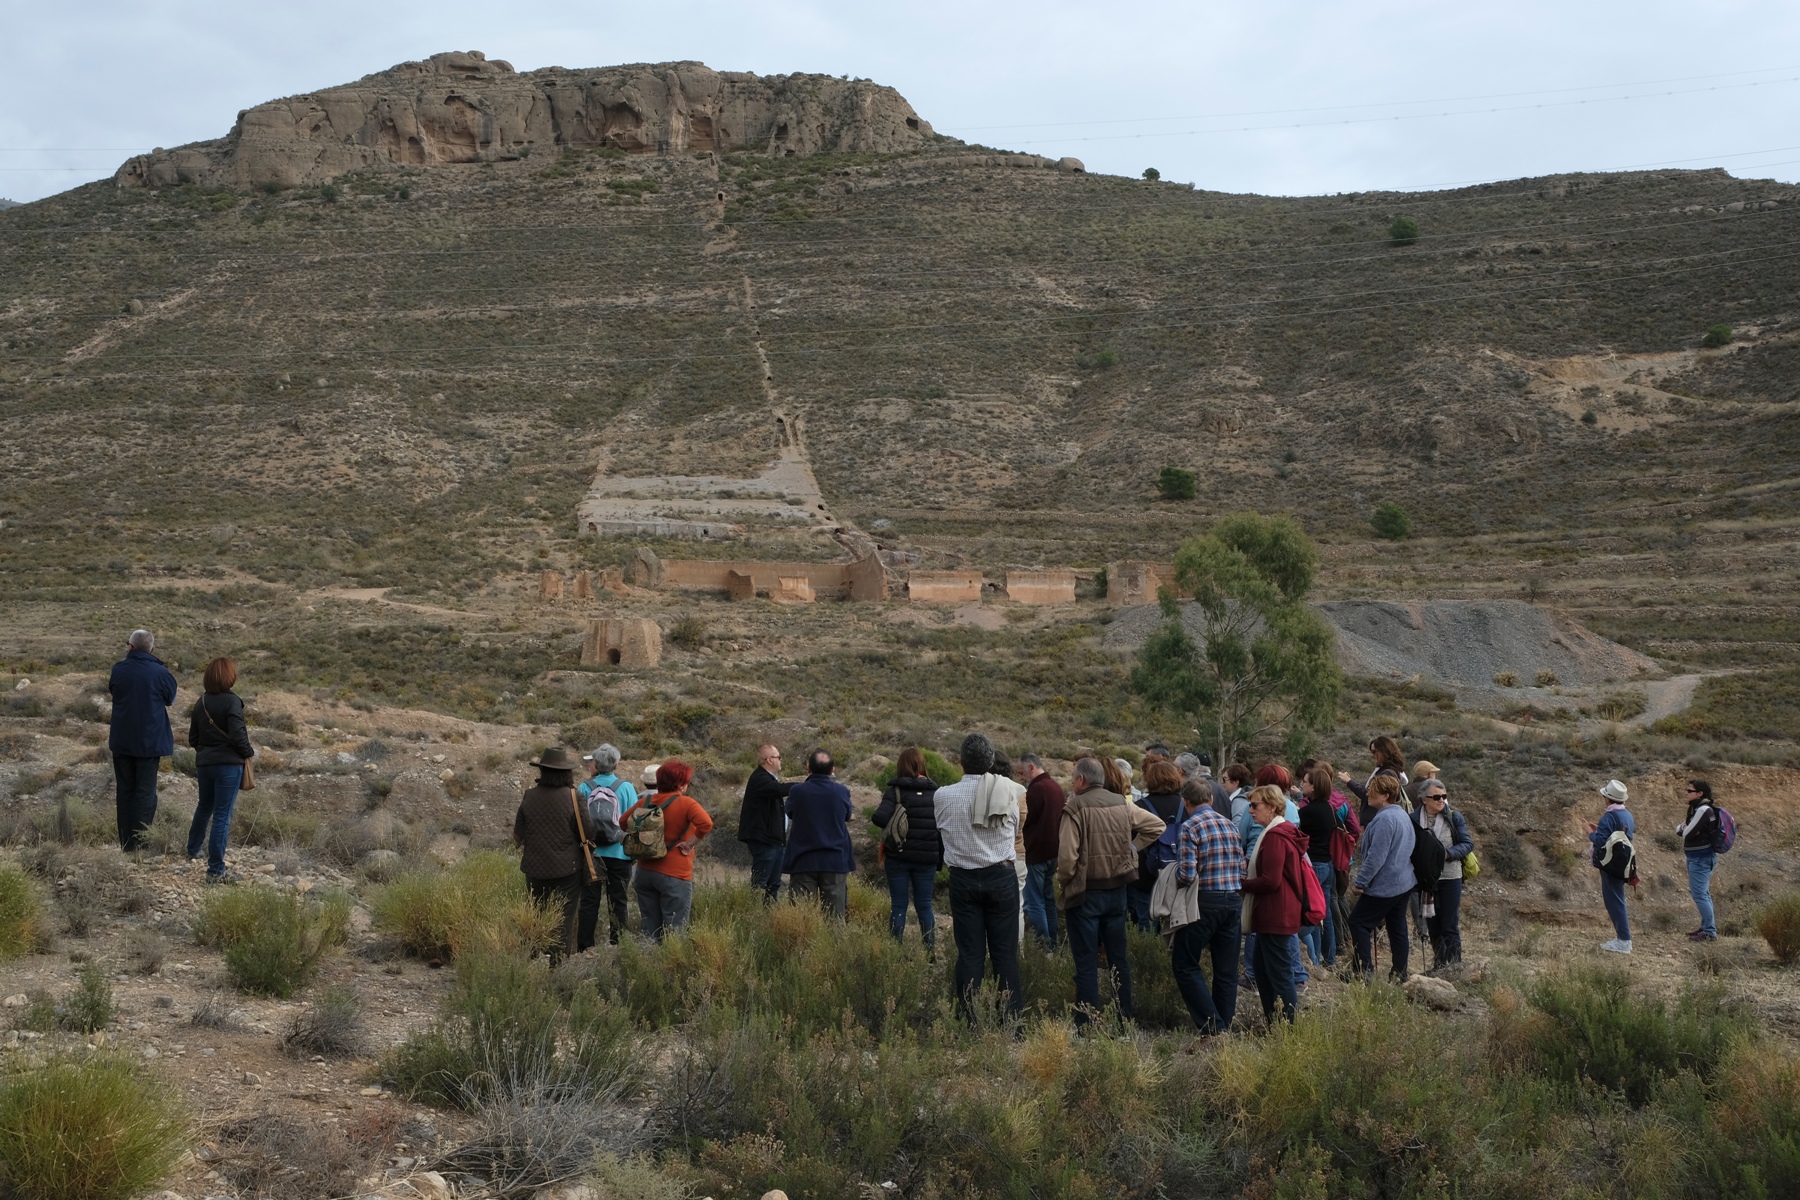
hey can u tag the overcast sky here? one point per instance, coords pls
(1122, 85)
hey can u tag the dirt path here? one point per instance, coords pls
(1665, 698)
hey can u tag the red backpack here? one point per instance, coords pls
(1312, 906)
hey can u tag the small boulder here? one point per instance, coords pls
(1432, 993)
(430, 1186)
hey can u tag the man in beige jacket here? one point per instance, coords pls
(1097, 857)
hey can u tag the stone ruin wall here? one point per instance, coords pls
(1129, 583)
(461, 107)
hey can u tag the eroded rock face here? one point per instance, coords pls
(463, 108)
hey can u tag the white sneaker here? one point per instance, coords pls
(1617, 946)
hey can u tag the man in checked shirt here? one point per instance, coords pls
(1210, 857)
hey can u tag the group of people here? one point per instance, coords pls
(1258, 873)
(1249, 871)
(1254, 875)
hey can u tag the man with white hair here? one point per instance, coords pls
(142, 690)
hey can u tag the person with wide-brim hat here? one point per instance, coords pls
(553, 832)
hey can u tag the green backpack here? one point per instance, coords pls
(644, 831)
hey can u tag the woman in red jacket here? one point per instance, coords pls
(1275, 899)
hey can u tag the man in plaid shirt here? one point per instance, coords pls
(1210, 857)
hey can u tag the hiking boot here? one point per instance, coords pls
(224, 877)
(1617, 946)
(1700, 935)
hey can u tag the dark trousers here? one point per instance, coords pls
(830, 887)
(1137, 903)
(1215, 932)
(984, 918)
(566, 893)
(765, 867)
(212, 815)
(1099, 920)
(1370, 913)
(1275, 973)
(135, 779)
(614, 881)
(911, 882)
(1446, 928)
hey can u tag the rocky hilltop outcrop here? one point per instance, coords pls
(465, 108)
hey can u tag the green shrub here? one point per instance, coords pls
(958, 1111)
(21, 913)
(1597, 1030)
(1404, 231)
(185, 761)
(1152, 174)
(479, 901)
(938, 769)
(1507, 857)
(505, 1031)
(1175, 483)
(260, 820)
(1754, 1149)
(273, 941)
(1716, 336)
(332, 1027)
(1779, 924)
(1370, 1094)
(688, 632)
(90, 1006)
(90, 1129)
(1107, 359)
(1390, 521)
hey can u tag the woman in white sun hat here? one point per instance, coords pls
(1614, 858)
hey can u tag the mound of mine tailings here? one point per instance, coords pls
(1466, 643)
(1454, 643)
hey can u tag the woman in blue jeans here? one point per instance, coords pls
(221, 743)
(1318, 821)
(1698, 833)
(1616, 819)
(911, 862)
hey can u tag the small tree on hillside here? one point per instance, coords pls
(1404, 231)
(1152, 174)
(1264, 661)
(1175, 483)
(1391, 522)
(1716, 336)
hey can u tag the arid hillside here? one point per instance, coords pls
(409, 376)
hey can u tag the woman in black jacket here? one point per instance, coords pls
(912, 867)
(1697, 832)
(221, 744)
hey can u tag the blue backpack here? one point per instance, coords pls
(1160, 853)
(1725, 833)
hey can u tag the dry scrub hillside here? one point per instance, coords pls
(337, 429)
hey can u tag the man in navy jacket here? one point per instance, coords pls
(142, 690)
(819, 857)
